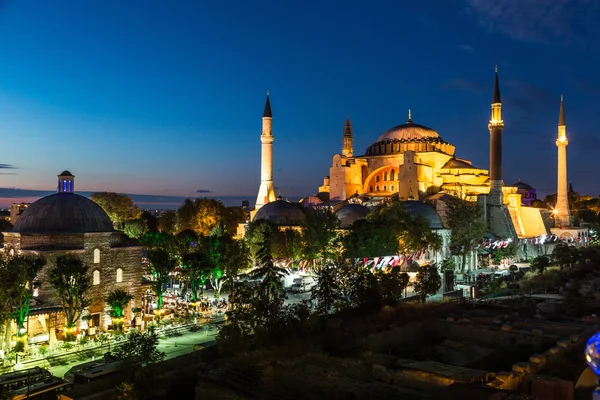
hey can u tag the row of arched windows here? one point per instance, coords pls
(378, 188)
(392, 176)
(96, 276)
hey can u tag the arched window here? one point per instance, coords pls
(119, 275)
(385, 188)
(377, 188)
(96, 277)
(392, 173)
(377, 178)
(370, 188)
(385, 176)
(392, 188)
(96, 256)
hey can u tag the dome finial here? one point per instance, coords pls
(409, 117)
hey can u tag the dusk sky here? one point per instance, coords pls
(165, 97)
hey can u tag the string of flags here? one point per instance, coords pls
(372, 263)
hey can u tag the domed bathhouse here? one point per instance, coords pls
(67, 223)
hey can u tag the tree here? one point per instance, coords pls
(26, 269)
(235, 259)
(387, 231)
(162, 264)
(564, 255)
(150, 220)
(393, 283)
(135, 228)
(167, 221)
(200, 215)
(119, 207)
(118, 299)
(465, 219)
(256, 234)
(319, 233)
(232, 217)
(71, 282)
(141, 346)
(327, 291)
(287, 244)
(428, 281)
(196, 268)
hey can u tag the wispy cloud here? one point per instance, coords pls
(541, 21)
(466, 47)
(203, 191)
(466, 85)
(7, 166)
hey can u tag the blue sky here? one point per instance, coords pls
(165, 97)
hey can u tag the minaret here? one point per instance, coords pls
(562, 214)
(266, 192)
(347, 139)
(66, 182)
(496, 126)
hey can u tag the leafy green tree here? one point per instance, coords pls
(119, 207)
(167, 221)
(25, 270)
(71, 282)
(232, 217)
(502, 253)
(135, 228)
(235, 260)
(118, 299)
(465, 219)
(393, 283)
(150, 220)
(196, 268)
(257, 233)
(319, 233)
(327, 291)
(539, 264)
(287, 244)
(428, 281)
(564, 255)
(200, 215)
(162, 264)
(388, 231)
(448, 264)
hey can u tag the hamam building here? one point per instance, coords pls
(67, 223)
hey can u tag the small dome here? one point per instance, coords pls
(66, 173)
(419, 209)
(455, 163)
(281, 212)
(63, 213)
(310, 201)
(409, 131)
(350, 213)
(522, 185)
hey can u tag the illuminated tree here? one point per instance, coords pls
(162, 264)
(119, 207)
(287, 244)
(232, 217)
(118, 299)
(196, 269)
(319, 233)
(257, 233)
(71, 282)
(136, 228)
(201, 215)
(26, 268)
(393, 283)
(465, 219)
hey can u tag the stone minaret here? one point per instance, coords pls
(347, 139)
(266, 192)
(496, 126)
(563, 215)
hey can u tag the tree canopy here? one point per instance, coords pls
(119, 207)
(465, 219)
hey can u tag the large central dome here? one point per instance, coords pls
(408, 131)
(63, 213)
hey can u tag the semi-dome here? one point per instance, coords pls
(281, 212)
(409, 131)
(63, 213)
(350, 213)
(420, 209)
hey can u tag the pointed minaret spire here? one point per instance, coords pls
(267, 112)
(409, 117)
(347, 139)
(561, 115)
(496, 95)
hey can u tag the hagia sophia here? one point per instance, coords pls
(415, 164)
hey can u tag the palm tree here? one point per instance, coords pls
(118, 299)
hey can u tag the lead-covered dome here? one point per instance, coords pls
(281, 212)
(408, 131)
(409, 136)
(63, 213)
(350, 213)
(420, 209)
